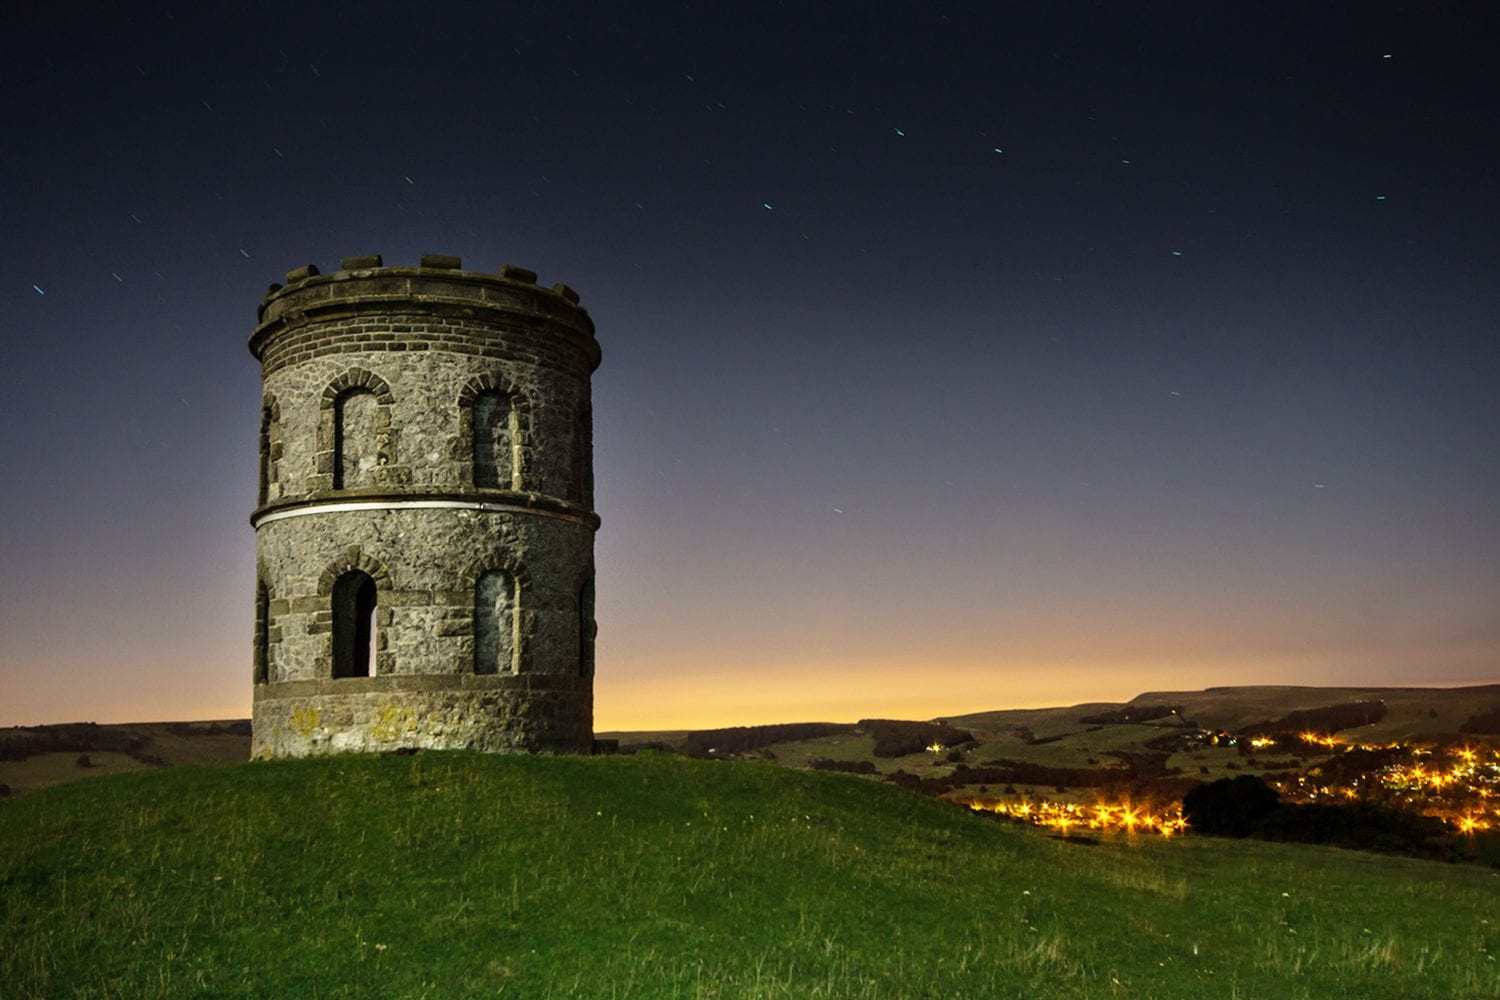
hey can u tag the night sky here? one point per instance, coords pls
(954, 358)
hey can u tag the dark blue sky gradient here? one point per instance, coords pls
(1193, 382)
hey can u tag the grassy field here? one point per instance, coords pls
(112, 749)
(1413, 713)
(649, 876)
(1055, 737)
(1061, 737)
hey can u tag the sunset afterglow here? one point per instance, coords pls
(966, 382)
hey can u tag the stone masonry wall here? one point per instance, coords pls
(425, 564)
(401, 355)
(477, 713)
(429, 440)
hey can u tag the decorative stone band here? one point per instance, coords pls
(392, 683)
(261, 517)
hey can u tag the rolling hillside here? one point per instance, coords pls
(650, 876)
(1156, 744)
(1082, 737)
(33, 757)
(1412, 713)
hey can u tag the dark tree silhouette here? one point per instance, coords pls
(1230, 807)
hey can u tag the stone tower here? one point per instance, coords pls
(425, 525)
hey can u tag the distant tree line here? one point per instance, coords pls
(1329, 719)
(746, 739)
(847, 766)
(897, 737)
(74, 737)
(1131, 713)
(1245, 806)
(1144, 777)
(893, 737)
(1483, 723)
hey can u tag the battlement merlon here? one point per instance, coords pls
(438, 284)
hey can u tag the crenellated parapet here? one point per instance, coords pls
(438, 287)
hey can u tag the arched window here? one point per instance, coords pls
(262, 633)
(494, 434)
(495, 599)
(357, 445)
(354, 625)
(493, 425)
(356, 438)
(587, 629)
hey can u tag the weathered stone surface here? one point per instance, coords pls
(446, 459)
(513, 273)
(500, 715)
(427, 433)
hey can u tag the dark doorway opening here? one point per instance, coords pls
(354, 625)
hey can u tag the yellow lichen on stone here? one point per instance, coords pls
(393, 719)
(304, 720)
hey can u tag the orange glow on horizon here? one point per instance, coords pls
(669, 693)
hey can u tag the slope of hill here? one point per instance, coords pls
(34, 757)
(649, 876)
(1410, 712)
(1153, 747)
(1122, 742)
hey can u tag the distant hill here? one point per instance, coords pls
(1410, 712)
(1128, 739)
(1153, 747)
(652, 877)
(34, 757)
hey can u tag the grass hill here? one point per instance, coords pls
(34, 757)
(1150, 746)
(1411, 713)
(650, 876)
(1084, 747)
